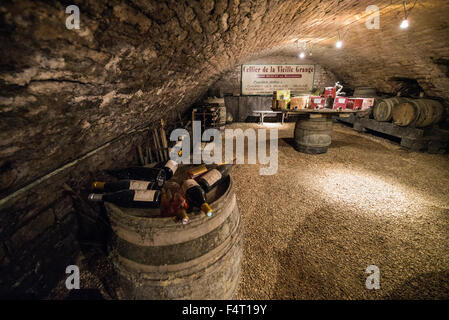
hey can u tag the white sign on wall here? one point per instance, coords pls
(264, 79)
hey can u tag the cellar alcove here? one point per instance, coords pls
(74, 102)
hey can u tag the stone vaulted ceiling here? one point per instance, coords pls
(66, 92)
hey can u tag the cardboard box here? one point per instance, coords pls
(297, 103)
(360, 103)
(368, 103)
(340, 103)
(317, 102)
(330, 92)
(355, 103)
(282, 104)
(282, 95)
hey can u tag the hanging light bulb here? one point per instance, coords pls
(302, 55)
(339, 44)
(404, 24)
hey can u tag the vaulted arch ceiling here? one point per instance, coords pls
(65, 92)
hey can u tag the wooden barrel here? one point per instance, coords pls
(367, 113)
(383, 110)
(418, 113)
(364, 92)
(158, 258)
(313, 135)
(222, 116)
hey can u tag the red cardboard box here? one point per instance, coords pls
(354, 103)
(340, 103)
(330, 92)
(360, 103)
(317, 102)
(367, 103)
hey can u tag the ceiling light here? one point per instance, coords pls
(339, 44)
(404, 24)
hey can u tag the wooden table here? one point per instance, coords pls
(262, 114)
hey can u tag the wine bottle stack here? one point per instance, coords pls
(144, 187)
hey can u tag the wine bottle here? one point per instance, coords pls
(196, 197)
(213, 177)
(170, 169)
(197, 171)
(183, 216)
(140, 173)
(124, 185)
(130, 198)
(176, 202)
(179, 201)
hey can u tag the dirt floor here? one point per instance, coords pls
(311, 230)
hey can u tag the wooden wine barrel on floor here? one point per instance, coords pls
(383, 109)
(313, 135)
(418, 113)
(365, 113)
(157, 258)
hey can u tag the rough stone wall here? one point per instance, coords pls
(230, 82)
(40, 228)
(64, 93)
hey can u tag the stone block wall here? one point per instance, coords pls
(41, 227)
(66, 92)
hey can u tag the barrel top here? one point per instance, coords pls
(215, 198)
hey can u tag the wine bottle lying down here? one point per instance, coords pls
(157, 175)
(130, 198)
(124, 185)
(213, 177)
(196, 197)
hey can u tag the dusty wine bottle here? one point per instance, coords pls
(213, 177)
(170, 169)
(130, 198)
(124, 185)
(196, 197)
(140, 173)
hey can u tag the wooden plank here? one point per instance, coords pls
(181, 122)
(140, 152)
(150, 156)
(319, 115)
(158, 145)
(350, 119)
(157, 158)
(164, 140)
(321, 111)
(390, 128)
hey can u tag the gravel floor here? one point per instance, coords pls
(312, 229)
